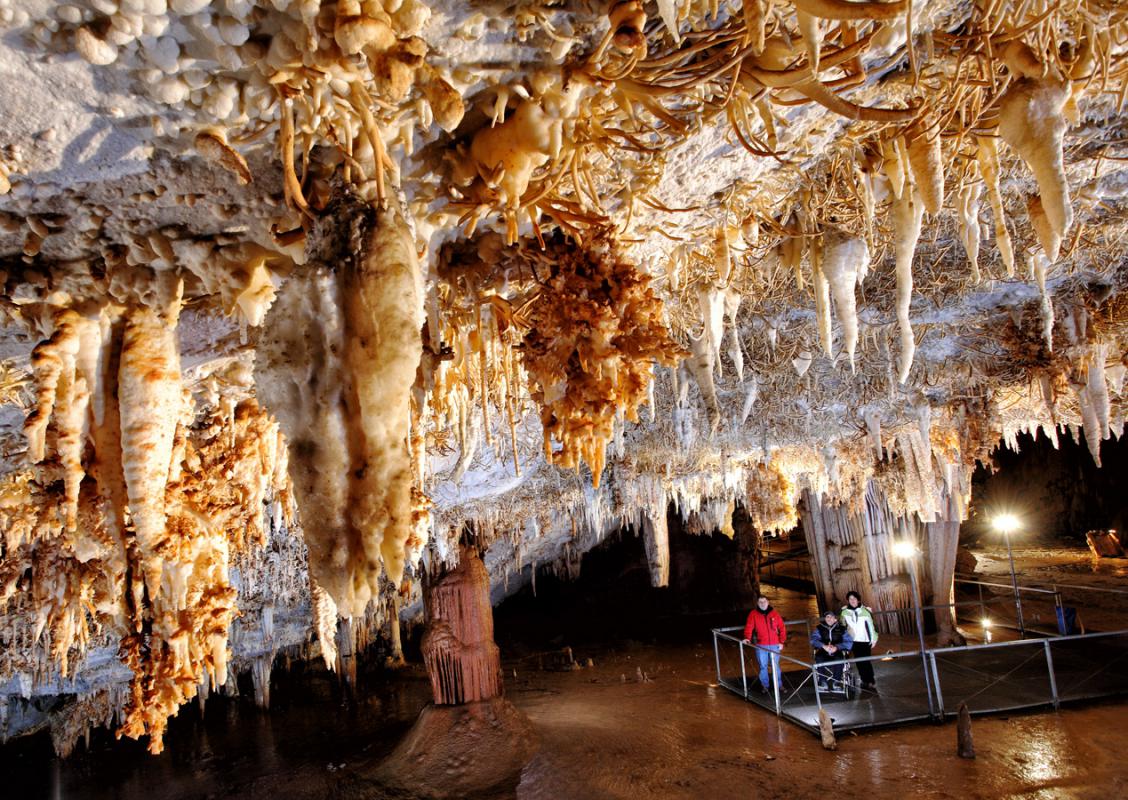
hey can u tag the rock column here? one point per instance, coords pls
(852, 549)
(458, 647)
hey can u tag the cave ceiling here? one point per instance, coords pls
(391, 268)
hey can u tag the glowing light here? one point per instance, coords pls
(986, 622)
(904, 549)
(1006, 523)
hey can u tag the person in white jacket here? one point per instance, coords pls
(860, 622)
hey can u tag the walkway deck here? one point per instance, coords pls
(989, 678)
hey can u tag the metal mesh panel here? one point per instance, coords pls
(994, 677)
(1090, 666)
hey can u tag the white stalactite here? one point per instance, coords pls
(700, 365)
(968, 206)
(735, 351)
(845, 258)
(908, 213)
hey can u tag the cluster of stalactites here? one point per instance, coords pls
(137, 542)
(596, 329)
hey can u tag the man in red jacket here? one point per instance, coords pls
(765, 625)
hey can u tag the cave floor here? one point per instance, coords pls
(644, 721)
(681, 736)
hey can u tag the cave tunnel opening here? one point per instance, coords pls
(1058, 493)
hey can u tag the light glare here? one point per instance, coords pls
(1006, 523)
(904, 549)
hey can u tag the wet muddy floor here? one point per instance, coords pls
(646, 720)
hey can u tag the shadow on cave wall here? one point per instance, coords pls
(1058, 494)
(712, 582)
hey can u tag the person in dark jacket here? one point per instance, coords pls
(831, 639)
(864, 633)
(765, 625)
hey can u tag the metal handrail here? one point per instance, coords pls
(1021, 588)
(930, 655)
(1052, 639)
(1055, 586)
(1059, 586)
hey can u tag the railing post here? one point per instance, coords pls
(982, 607)
(936, 683)
(717, 655)
(743, 674)
(815, 678)
(775, 681)
(1053, 677)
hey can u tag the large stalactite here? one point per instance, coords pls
(338, 359)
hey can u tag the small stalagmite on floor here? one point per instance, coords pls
(965, 746)
(826, 729)
(472, 739)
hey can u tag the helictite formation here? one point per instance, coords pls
(296, 292)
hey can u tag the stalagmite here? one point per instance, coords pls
(458, 647)
(826, 730)
(436, 757)
(965, 745)
(908, 213)
(656, 539)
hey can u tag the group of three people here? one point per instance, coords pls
(834, 637)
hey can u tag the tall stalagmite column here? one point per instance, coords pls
(458, 647)
(472, 740)
(854, 551)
